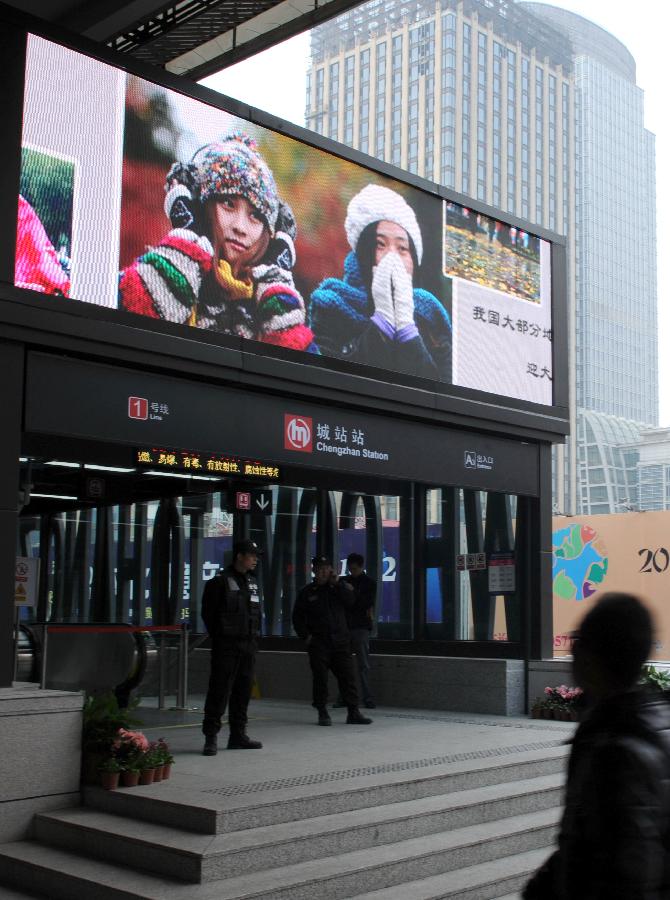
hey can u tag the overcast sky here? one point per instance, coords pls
(275, 81)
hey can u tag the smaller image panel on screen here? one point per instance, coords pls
(501, 305)
(491, 253)
(44, 225)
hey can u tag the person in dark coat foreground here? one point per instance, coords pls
(614, 839)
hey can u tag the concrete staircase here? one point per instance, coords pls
(470, 830)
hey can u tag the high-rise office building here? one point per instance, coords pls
(535, 111)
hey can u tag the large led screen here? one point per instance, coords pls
(139, 198)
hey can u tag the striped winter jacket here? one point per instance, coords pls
(174, 281)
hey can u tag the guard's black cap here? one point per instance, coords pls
(246, 547)
(321, 561)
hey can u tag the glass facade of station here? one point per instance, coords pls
(145, 563)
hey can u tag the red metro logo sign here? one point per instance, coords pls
(298, 433)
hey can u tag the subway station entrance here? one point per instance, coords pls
(130, 505)
(378, 364)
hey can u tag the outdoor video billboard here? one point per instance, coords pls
(139, 198)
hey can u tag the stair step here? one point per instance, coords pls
(9, 894)
(390, 864)
(194, 857)
(216, 810)
(483, 881)
(70, 877)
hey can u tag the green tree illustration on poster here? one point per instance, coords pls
(47, 184)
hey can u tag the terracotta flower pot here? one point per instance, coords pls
(109, 780)
(158, 773)
(130, 779)
(147, 776)
(167, 769)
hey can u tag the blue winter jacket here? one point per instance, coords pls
(340, 312)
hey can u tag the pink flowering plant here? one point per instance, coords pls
(561, 702)
(130, 748)
(151, 757)
(163, 752)
(563, 695)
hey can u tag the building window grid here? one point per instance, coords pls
(364, 102)
(482, 74)
(552, 151)
(465, 86)
(319, 120)
(396, 100)
(349, 68)
(525, 137)
(498, 55)
(448, 117)
(308, 96)
(415, 42)
(565, 95)
(429, 118)
(539, 142)
(333, 100)
(651, 487)
(380, 125)
(511, 131)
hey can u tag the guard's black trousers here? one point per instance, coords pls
(230, 681)
(324, 655)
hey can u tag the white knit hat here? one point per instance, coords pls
(381, 204)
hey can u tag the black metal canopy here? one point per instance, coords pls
(189, 37)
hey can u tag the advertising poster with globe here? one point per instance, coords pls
(623, 552)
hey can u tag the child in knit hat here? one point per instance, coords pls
(374, 315)
(226, 264)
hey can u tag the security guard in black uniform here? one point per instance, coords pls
(319, 619)
(231, 611)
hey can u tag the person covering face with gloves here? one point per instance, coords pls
(227, 263)
(374, 314)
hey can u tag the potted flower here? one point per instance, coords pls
(165, 757)
(129, 746)
(110, 770)
(148, 764)
(155, 760)
(130, 775)
(102, 719)
(561, 702)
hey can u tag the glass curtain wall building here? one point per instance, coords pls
(535, 111)
(615, 265)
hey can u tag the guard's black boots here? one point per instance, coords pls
(324, 718)
(356, 717)
(211, 747)
(242, 741)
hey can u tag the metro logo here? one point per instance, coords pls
(138, 408)
(297, 433)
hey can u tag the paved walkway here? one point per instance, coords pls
(297, 751)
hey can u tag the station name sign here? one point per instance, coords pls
(195, 463)
(90, 400)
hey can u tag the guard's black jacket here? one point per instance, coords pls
(320, 611)
(231, 606)
(360, 613)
